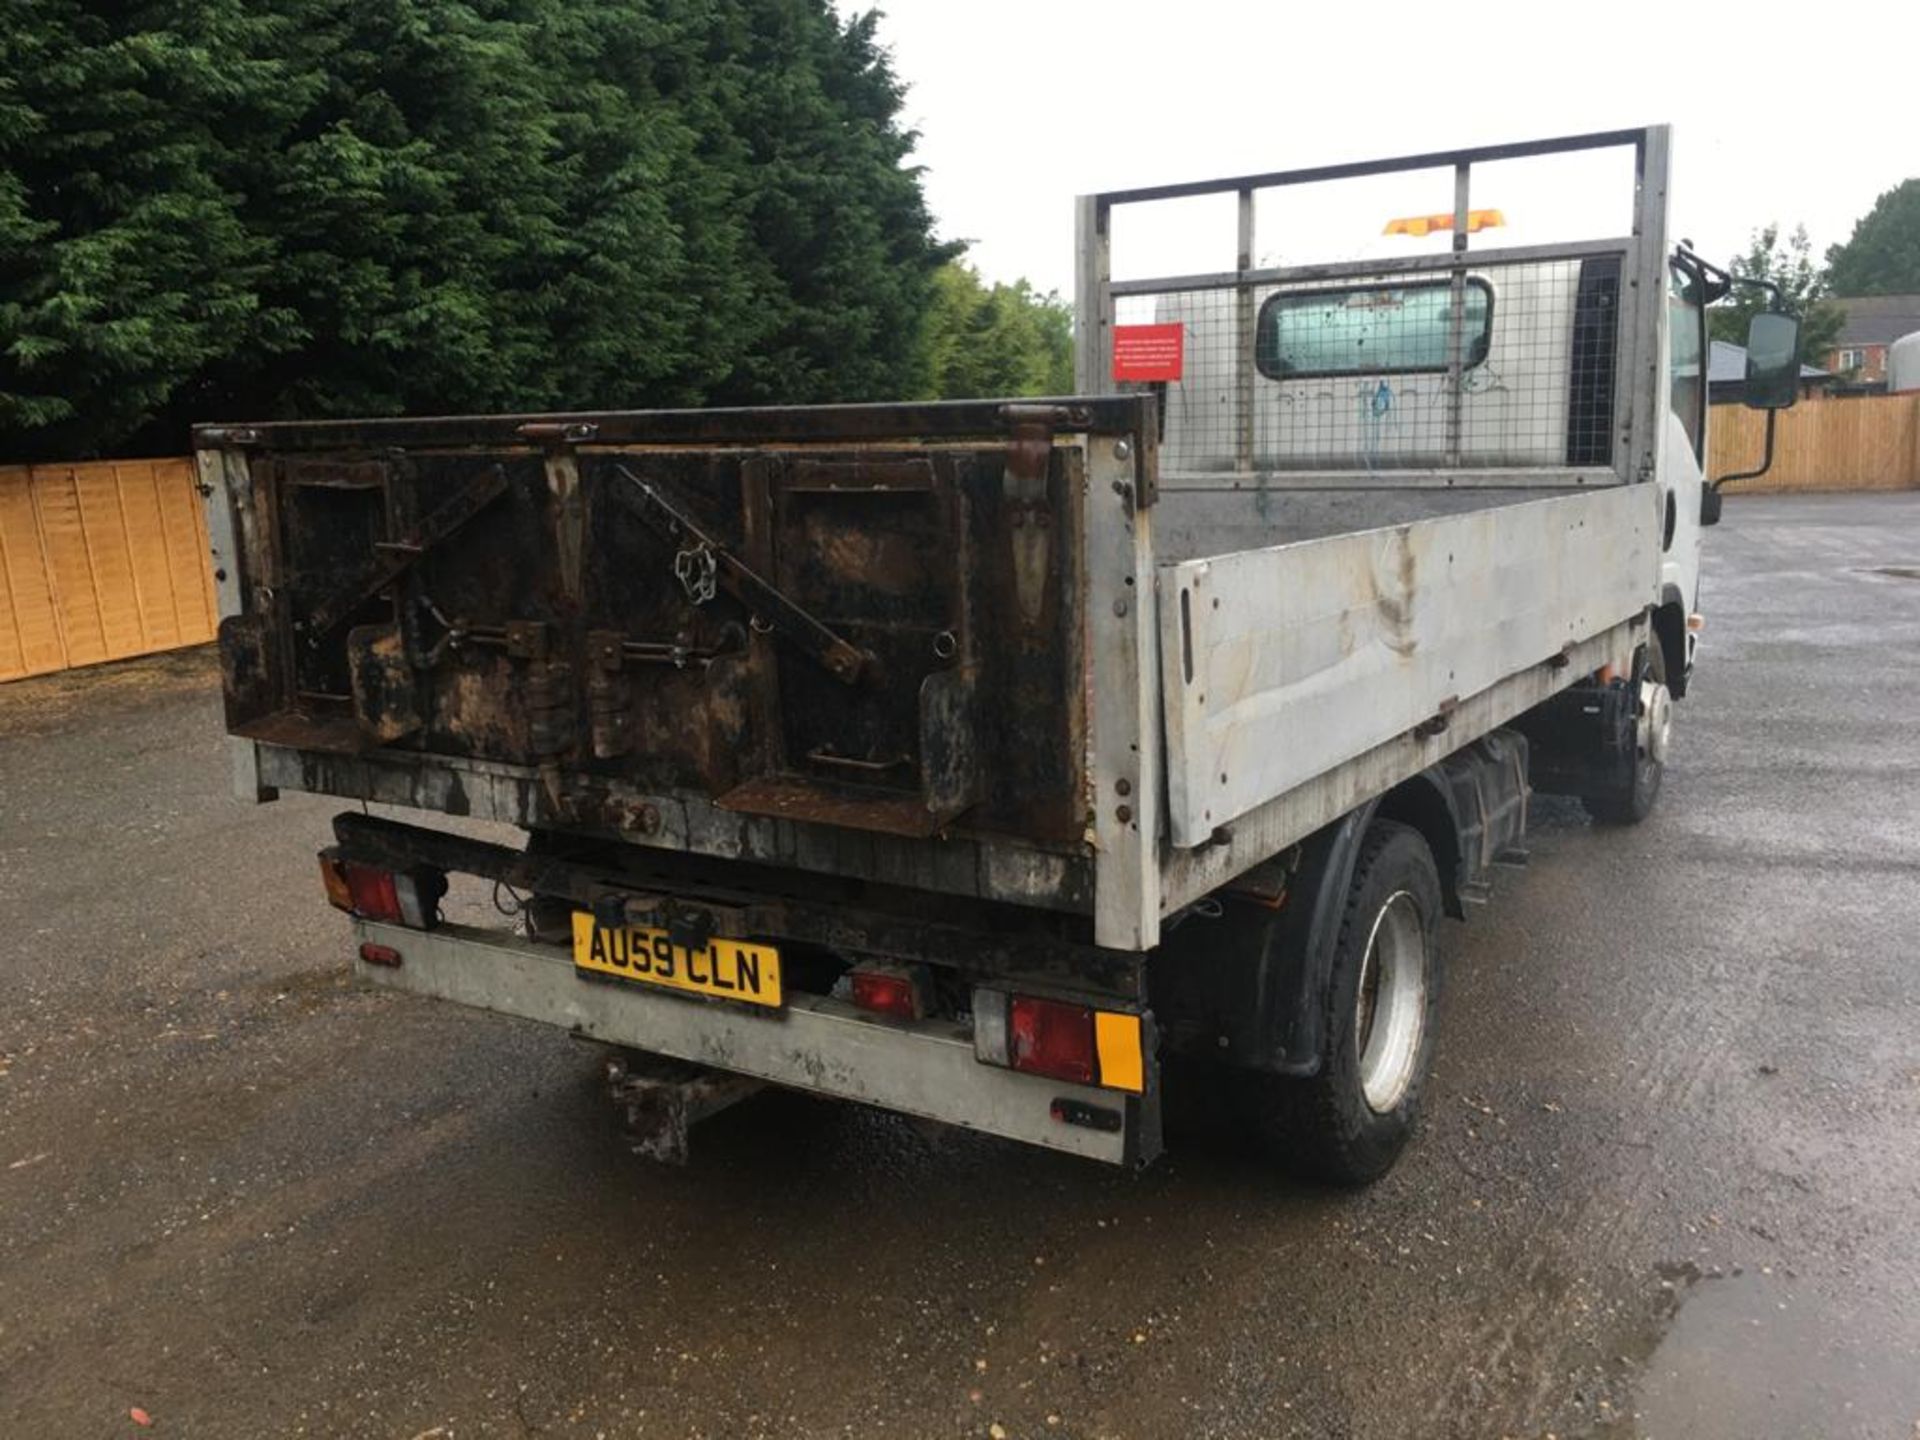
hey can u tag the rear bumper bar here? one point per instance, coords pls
(817, 1044)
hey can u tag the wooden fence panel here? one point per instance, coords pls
(137, 489)
(107, 551)
(100, 561)
(1861, 442)
(30, 639)
(183, 518)
(70, 579)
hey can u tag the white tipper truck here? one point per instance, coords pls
(1011, 763)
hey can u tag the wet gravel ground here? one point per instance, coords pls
(1669, 1185)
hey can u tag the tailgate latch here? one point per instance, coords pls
(773, 610)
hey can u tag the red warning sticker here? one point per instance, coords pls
(1149, 352)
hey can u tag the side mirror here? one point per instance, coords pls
(1709, 504)
(1773, 361)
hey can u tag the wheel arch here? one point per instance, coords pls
(1427, 803)
(1238, 982)
(1235, 984)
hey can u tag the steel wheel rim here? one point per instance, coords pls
(1390, 1010)
(1656, 720)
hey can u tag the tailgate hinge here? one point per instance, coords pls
(1029, 517)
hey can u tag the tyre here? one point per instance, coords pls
(1348, 1123)
(1634, 799)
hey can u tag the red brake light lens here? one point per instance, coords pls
(888, 992)
(1051, 1037)
(374, 895)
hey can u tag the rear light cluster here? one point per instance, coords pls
(897, 990)
(1059, 1039)
(1051, 1037)
(397, 897)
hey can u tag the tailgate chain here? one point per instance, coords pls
(698, 573)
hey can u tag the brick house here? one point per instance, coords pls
(1873, 322)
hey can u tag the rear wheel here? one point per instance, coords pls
(1348, 1123)
(1632, 800)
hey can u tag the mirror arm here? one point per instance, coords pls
(1721, 281)
(1754, 282)
(1714, 282)
(1766, 459)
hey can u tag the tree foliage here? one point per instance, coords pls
(1803, 286)
(221, 209)
(1882, 256)
(995, 339)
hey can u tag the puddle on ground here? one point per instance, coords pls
(1758, 1356)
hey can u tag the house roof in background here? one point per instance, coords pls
(1727, 365)
(1877, 319)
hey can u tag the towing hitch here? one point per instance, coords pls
(660, 1099)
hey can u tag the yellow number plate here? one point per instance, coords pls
(730, 969)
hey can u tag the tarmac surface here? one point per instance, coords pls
(1669, 1183)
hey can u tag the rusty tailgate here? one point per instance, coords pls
(869, 617)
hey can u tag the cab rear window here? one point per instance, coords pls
(1371, 330)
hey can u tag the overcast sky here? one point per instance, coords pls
(1023, 105)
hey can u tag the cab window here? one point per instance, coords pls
(1686, 354)
(1371, 329)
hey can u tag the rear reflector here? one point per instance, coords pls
(889, 990)
(1051, 1037)
(1091, 1117)
(380, 954)
(1122, 1053)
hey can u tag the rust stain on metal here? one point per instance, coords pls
(889, 562)
(569, 519)
(467, 709)
(386, 691)
(1395, 586)
(1029, 520)
(856, 808)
